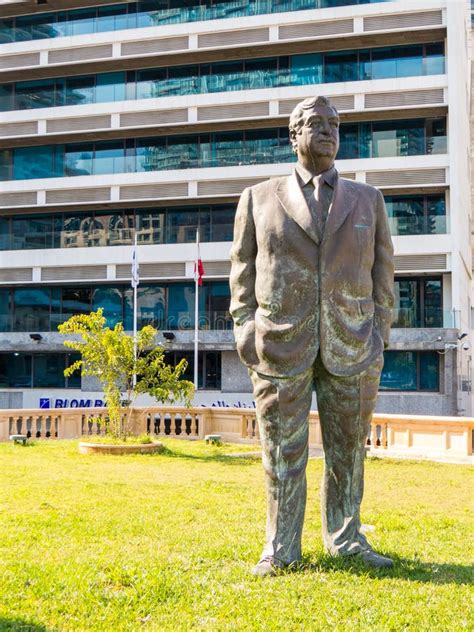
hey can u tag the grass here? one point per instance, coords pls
(166, 542)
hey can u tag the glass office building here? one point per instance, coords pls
(146, 120)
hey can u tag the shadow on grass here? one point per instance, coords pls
(208, 458)
(408, 569)
(17, 624)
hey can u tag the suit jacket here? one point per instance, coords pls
(292, 295)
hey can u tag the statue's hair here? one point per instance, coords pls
(297, 116)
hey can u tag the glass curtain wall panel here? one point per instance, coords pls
(84, 229)
(226, 76)
(416, 214)
(410, 371)
(147, 13)
(219, 149)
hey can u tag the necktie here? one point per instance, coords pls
(322, 201)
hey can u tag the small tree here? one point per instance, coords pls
(108, 355)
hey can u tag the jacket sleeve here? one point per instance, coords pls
(383, 272)
(243, 252)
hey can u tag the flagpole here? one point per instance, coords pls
(135, 315)
(196, 312)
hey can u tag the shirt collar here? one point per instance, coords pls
(329, 176)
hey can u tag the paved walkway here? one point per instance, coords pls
(317, 453)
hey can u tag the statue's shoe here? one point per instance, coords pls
(371, 558)
(267, 567)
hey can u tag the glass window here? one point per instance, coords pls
(434, 60)
(432, 301)
(436, 215)
(304, 70)
(7, 31)
(110, 299)
(110, 86)
(152, 306)
(112, 18)
(149, 83)
(32, 309)
(32, 232)
(150, 155)
(5, 310)
(429, 371)
(182, 226)
(6, 97)
(117, 228)
(180, 306)
(399, 372)
(48, 370)
(80, 90)
(349, 141)
(212, 370)
(15, 370)
(6, 162)
(340, 66)
(150, 227)
(398, 138)
(74, 380)
(109, 158)
(78, 159)
(436, 141)
(32, 27)
(217, 308)
(33, 162)
(416, 215)
(75, 301)
(419, 302)
(5, 238)
(74, 231)
(407, 303)
(406, 215)
(84, 21)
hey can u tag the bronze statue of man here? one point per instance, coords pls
(311, 298)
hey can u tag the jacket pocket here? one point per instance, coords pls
(245, 343)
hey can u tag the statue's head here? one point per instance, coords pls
(314, 130)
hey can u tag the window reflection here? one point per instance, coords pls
(247, 74)
(416, 215)
(419, 302)
(410, 371)
(147, 13)
(84, 229)
(38, 370)
(31, 309)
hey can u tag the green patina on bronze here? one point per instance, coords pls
(311, 297)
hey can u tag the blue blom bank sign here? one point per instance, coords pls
(59, 402)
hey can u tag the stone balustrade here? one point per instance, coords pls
(402, 435)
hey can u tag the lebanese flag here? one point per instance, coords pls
(198, 265)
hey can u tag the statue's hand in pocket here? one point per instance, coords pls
(245, 343)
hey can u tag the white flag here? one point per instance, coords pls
(135, 269)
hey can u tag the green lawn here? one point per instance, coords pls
(166, 542)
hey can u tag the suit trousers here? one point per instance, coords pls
(345, 406)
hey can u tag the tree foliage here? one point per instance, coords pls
(108, 355)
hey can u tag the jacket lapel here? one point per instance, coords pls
(342, 204)
(293, 201)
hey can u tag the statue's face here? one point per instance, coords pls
(319, 135)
